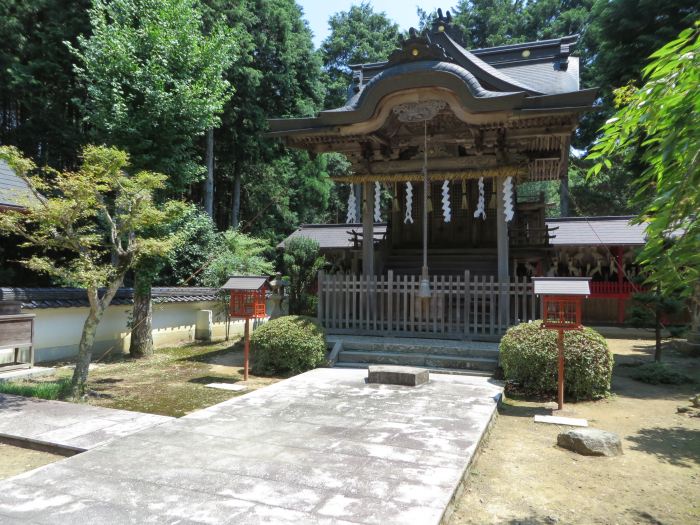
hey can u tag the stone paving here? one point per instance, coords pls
(70, 426)
(321, 447)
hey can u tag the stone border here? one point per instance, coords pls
(464, 480)
(41, 446)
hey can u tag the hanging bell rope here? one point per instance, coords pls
(395, 200)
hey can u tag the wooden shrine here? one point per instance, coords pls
(450, 135)
(248, 297)
(562, 299)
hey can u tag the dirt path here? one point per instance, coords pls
(15, 460)
(521, 477)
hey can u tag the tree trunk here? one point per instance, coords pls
(142, 318)
(87, 339)
(209, 182)
(694, 333)
(657, 326)
(564, 196)
(236, 200)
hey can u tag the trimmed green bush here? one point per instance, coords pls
(287, 345)
(528, 355)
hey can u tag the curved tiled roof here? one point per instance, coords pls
(14, 191)
(76, 297)
(526, 78)
(333, 236)
(571, 231)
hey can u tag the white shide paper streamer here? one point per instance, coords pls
(481, 203)
(408, 219)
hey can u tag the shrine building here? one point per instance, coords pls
(445, 225)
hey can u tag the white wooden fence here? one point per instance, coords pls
(460, 307)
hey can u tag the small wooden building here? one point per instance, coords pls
(471, 127)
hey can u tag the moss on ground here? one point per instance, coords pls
(170, 383)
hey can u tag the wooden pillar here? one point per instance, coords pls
(357, 190)
(620, 281)
(368, 228)
(503, 256)
(246, 348)
(560, 369)
(564, 177)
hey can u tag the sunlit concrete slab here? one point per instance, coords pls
(321, 447)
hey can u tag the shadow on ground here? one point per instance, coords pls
(676, 445)
(522, 410)
(222, 356)
(205, 380)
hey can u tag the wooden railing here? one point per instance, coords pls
(459, 307)
(602, 289)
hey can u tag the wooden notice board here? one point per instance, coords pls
(17, 334)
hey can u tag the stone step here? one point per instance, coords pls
(416, 359)
(437, 370)
(413, 346)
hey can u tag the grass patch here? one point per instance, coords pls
(42, 390)
(660, 373)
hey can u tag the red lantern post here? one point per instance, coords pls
(247, 301)
(561, 311)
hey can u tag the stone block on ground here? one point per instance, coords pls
(397, 375)
(591, 442)
(228, 386)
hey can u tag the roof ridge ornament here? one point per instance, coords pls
(418, 46)
(443, 24)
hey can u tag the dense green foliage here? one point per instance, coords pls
(287, 345)
(236, 253)
(39, 94)
(198, 243)
(357, 36)
(662, 117)
(528, 355)
(91, 226)
(276, 74)
(302, 261)
(154, 81)
(152, 84)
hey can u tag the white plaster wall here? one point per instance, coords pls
(57, 330)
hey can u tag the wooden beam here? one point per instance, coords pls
(436, 164)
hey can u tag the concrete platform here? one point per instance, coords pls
(26, 373)
(321, 447)
(67, 426)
